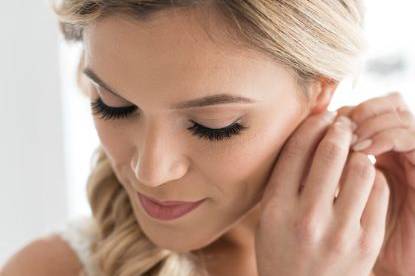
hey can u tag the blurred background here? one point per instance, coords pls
(46, 131)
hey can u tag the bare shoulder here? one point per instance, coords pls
(49, 255)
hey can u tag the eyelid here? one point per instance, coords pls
(218, 123)
(104, 91)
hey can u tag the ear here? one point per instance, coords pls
(321, 91)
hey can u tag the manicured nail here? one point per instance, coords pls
(362, 145)
(343, 119)
(330, 115)
(354, 138)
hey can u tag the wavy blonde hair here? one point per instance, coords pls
(315, 38)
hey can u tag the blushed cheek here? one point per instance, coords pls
(249, 165)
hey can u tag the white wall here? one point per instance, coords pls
(32, 183)
(388, 29)
(79, 132)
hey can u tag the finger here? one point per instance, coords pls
(411, 157)
(393, 119)
(377, 106)
(395, 139)
(355, 189)
(375, 212)
(327, 166)
(295, 155)
(410, 168)
(345, 110)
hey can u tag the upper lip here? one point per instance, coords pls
(169, 202)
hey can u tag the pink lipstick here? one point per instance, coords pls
(167, 210)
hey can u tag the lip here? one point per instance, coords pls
(168, 202)
(167, 210)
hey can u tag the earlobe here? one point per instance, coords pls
(322, 91)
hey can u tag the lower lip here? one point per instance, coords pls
(167, 212)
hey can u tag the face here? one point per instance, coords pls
(166, 153)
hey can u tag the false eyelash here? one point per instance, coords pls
(212, 134)
(216, 134)
(108, 112)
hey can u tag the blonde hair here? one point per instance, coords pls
(315, 38)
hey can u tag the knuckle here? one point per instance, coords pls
(367, 245)
(330, 150)
(340, 243)
(307, 229)
(361, 166)
(273, 211)
(405, 117)
(294, 148)
(344, 110)
(398, 99)
(365, 109)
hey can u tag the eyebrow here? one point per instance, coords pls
(199, 102)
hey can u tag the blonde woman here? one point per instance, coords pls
(222, 106)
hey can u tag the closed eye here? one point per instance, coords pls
(216, 133)
(212, 134)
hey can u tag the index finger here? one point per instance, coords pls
(345, 110)
(297, 152)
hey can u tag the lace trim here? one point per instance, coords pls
(79, 233)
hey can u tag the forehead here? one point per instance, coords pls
(175, 50)
(186, 33)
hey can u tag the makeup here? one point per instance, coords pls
(167, 210)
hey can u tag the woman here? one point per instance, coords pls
(223, 104)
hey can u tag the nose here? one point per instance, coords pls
(158, 159)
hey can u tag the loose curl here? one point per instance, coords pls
(315, 38)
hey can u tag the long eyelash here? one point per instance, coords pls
(113, 113)
(216, 134)
(108, 112)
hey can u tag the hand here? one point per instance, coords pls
(303, 228)
(390, 125)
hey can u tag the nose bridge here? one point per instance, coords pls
(158, 160)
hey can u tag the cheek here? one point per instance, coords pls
(114, 141)
(242, 169)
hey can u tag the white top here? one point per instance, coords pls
(79, 233)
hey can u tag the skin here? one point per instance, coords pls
(155, 154)
(224, 228)
(152, 152)
(303, 230)
(388, 121)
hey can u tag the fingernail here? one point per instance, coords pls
(362, 145)
(342, 120)
(354, 138)
(330, 115)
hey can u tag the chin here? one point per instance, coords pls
(178, 245)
